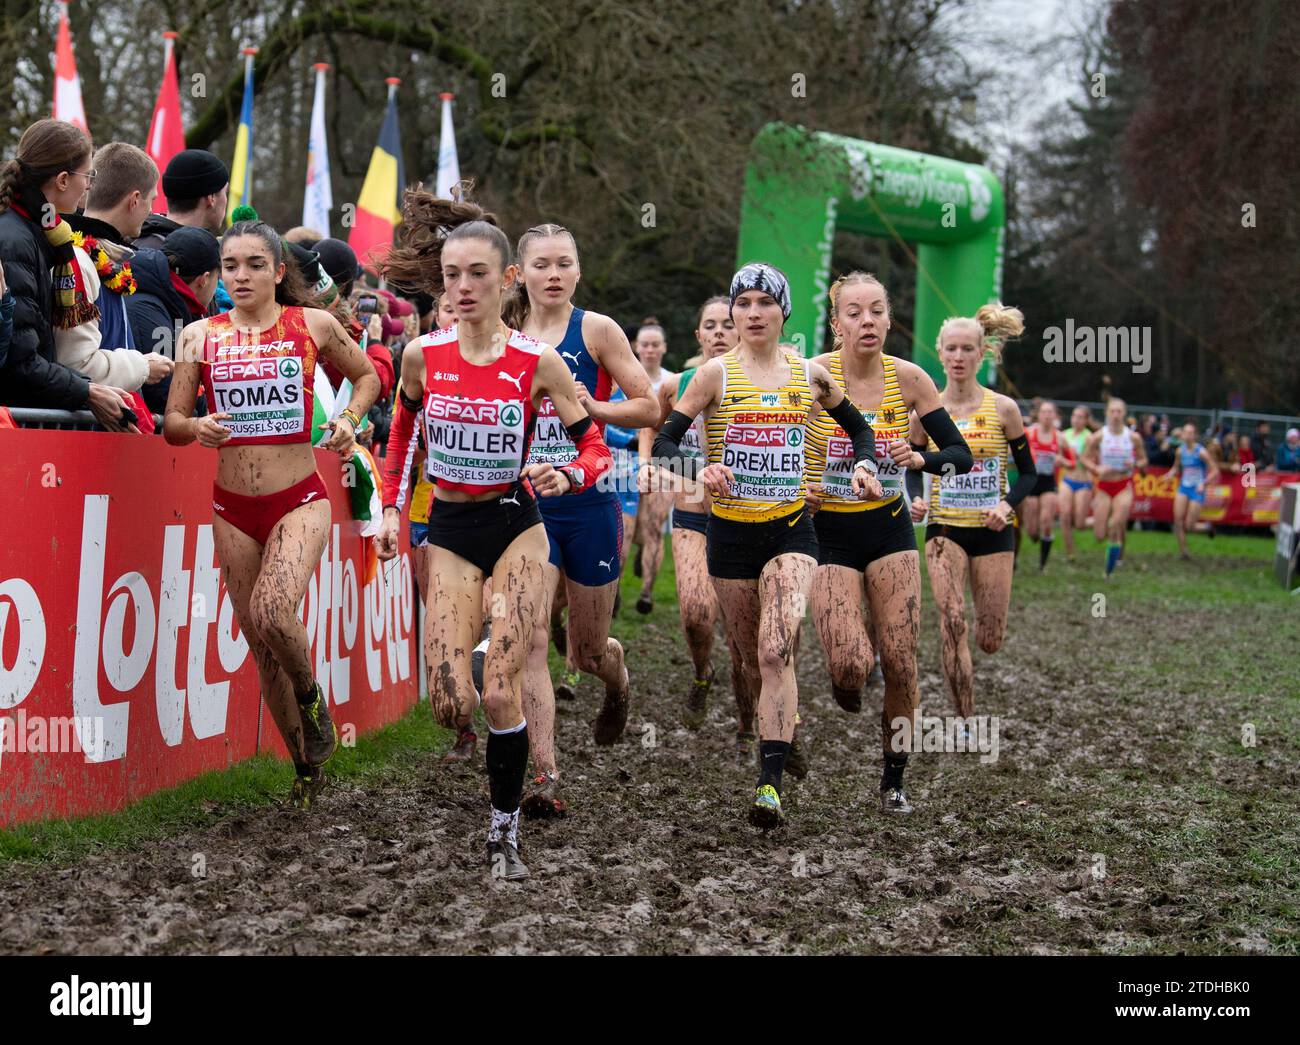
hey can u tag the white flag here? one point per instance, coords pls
(448, 163)
(319, 197)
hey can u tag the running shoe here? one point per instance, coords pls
(644, 604)
(796, 760)
(848, 699)
(766, 813)
(746, 749)
(320, 737)
(568, 687)
(541, 801)
(305, 789)
(894, 800)
(504, 862)
(697, 701)
(464, 748)
(612, 719)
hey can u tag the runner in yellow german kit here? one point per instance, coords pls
(761, 546)
(868, 548)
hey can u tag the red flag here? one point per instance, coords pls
(166, 136)
(67, 85)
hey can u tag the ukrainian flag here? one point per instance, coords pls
(379, 208)
(241, 169)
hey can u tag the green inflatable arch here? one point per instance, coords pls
(800, 186)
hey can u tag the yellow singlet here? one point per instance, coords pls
(960, 500)
(830, 451)
(760, 436)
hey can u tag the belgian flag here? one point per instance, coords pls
(379, 208)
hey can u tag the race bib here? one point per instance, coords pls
(692, 444)
(1045, 462)
(837, 481)
(477, 442)
(551, 442)
(263, 396)
(978, 489)
(766, 457)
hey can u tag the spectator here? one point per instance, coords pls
(1288, 454)
(6, 317)
(174, 288)
(126, 182)
(1262, 446)
(50, 173)
(340, 261)
(303, 236)
(1245, 453)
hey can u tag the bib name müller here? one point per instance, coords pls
(474, 441)
(837, 481)
(765, 452)
(980, 488)
(261, 388)
(551, 443)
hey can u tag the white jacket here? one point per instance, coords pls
(78, 348)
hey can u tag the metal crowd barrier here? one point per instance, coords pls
(68, 420)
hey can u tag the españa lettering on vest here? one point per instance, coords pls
(264, 396)
(479, 442)
(551, 443)
(980, 488)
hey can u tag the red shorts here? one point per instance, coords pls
(1111, 487)
(256, 516)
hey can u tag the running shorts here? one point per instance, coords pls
(586, 535)
(480, 531)
(1076, 484)
(975, 540)
(739, 550)
(1192, 493)
(857, 539)
(1113, 487)
(256, 515)
(1043, 484)
(696, 522)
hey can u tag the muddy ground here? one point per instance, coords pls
(1123, 815)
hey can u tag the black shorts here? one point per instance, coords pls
(480, 531)
(1043, 484)
(857, 539)
(975, 540)
(739, 550)
(696, 522)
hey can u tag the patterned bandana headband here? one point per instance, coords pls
(757, 276)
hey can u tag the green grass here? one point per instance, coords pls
(389, 753)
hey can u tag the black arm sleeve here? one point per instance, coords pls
(667, 446)
(952, 453)
(912, 479)
(855, 426)
(1025, 466)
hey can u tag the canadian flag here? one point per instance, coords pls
(67, 85)
(166, 136)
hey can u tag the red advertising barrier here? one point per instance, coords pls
(122, 669)
(1235, 500)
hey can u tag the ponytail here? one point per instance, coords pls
(428, 223)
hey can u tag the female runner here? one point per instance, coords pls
(1112, 454)
(272, 512)
(761, 546)
(1077, 495)
(1195, 469)
(969, 530)
(479, 385)
(869, 547)
(696, 601)
(654, 503)
(585, 531)
(1049, 449)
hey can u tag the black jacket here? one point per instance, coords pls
(31, 375)
(154, 231)
(154, 308)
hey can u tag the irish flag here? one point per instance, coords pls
(378, 209)
(67, 84)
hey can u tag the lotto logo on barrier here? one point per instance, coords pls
(114, 621)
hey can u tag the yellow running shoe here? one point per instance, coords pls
(766, 813)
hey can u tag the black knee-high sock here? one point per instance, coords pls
(1044, 550)
(773, 754)
(893, 774)
(507, 761)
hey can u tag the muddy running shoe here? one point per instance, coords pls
(568, 687)
(877, 677)
(849, 699)
(464, 748)
(796, 760)
(504, 862)
(697, 701)
(541, 801)
(765, 813)
(645, 605)
(612, 719)
(746, 749)
(305, 789)
(320, 737)
(894, 800)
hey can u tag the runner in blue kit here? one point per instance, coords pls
(586, 534)
(1195, 469)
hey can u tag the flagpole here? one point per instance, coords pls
(249, 54)
(393, 82)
